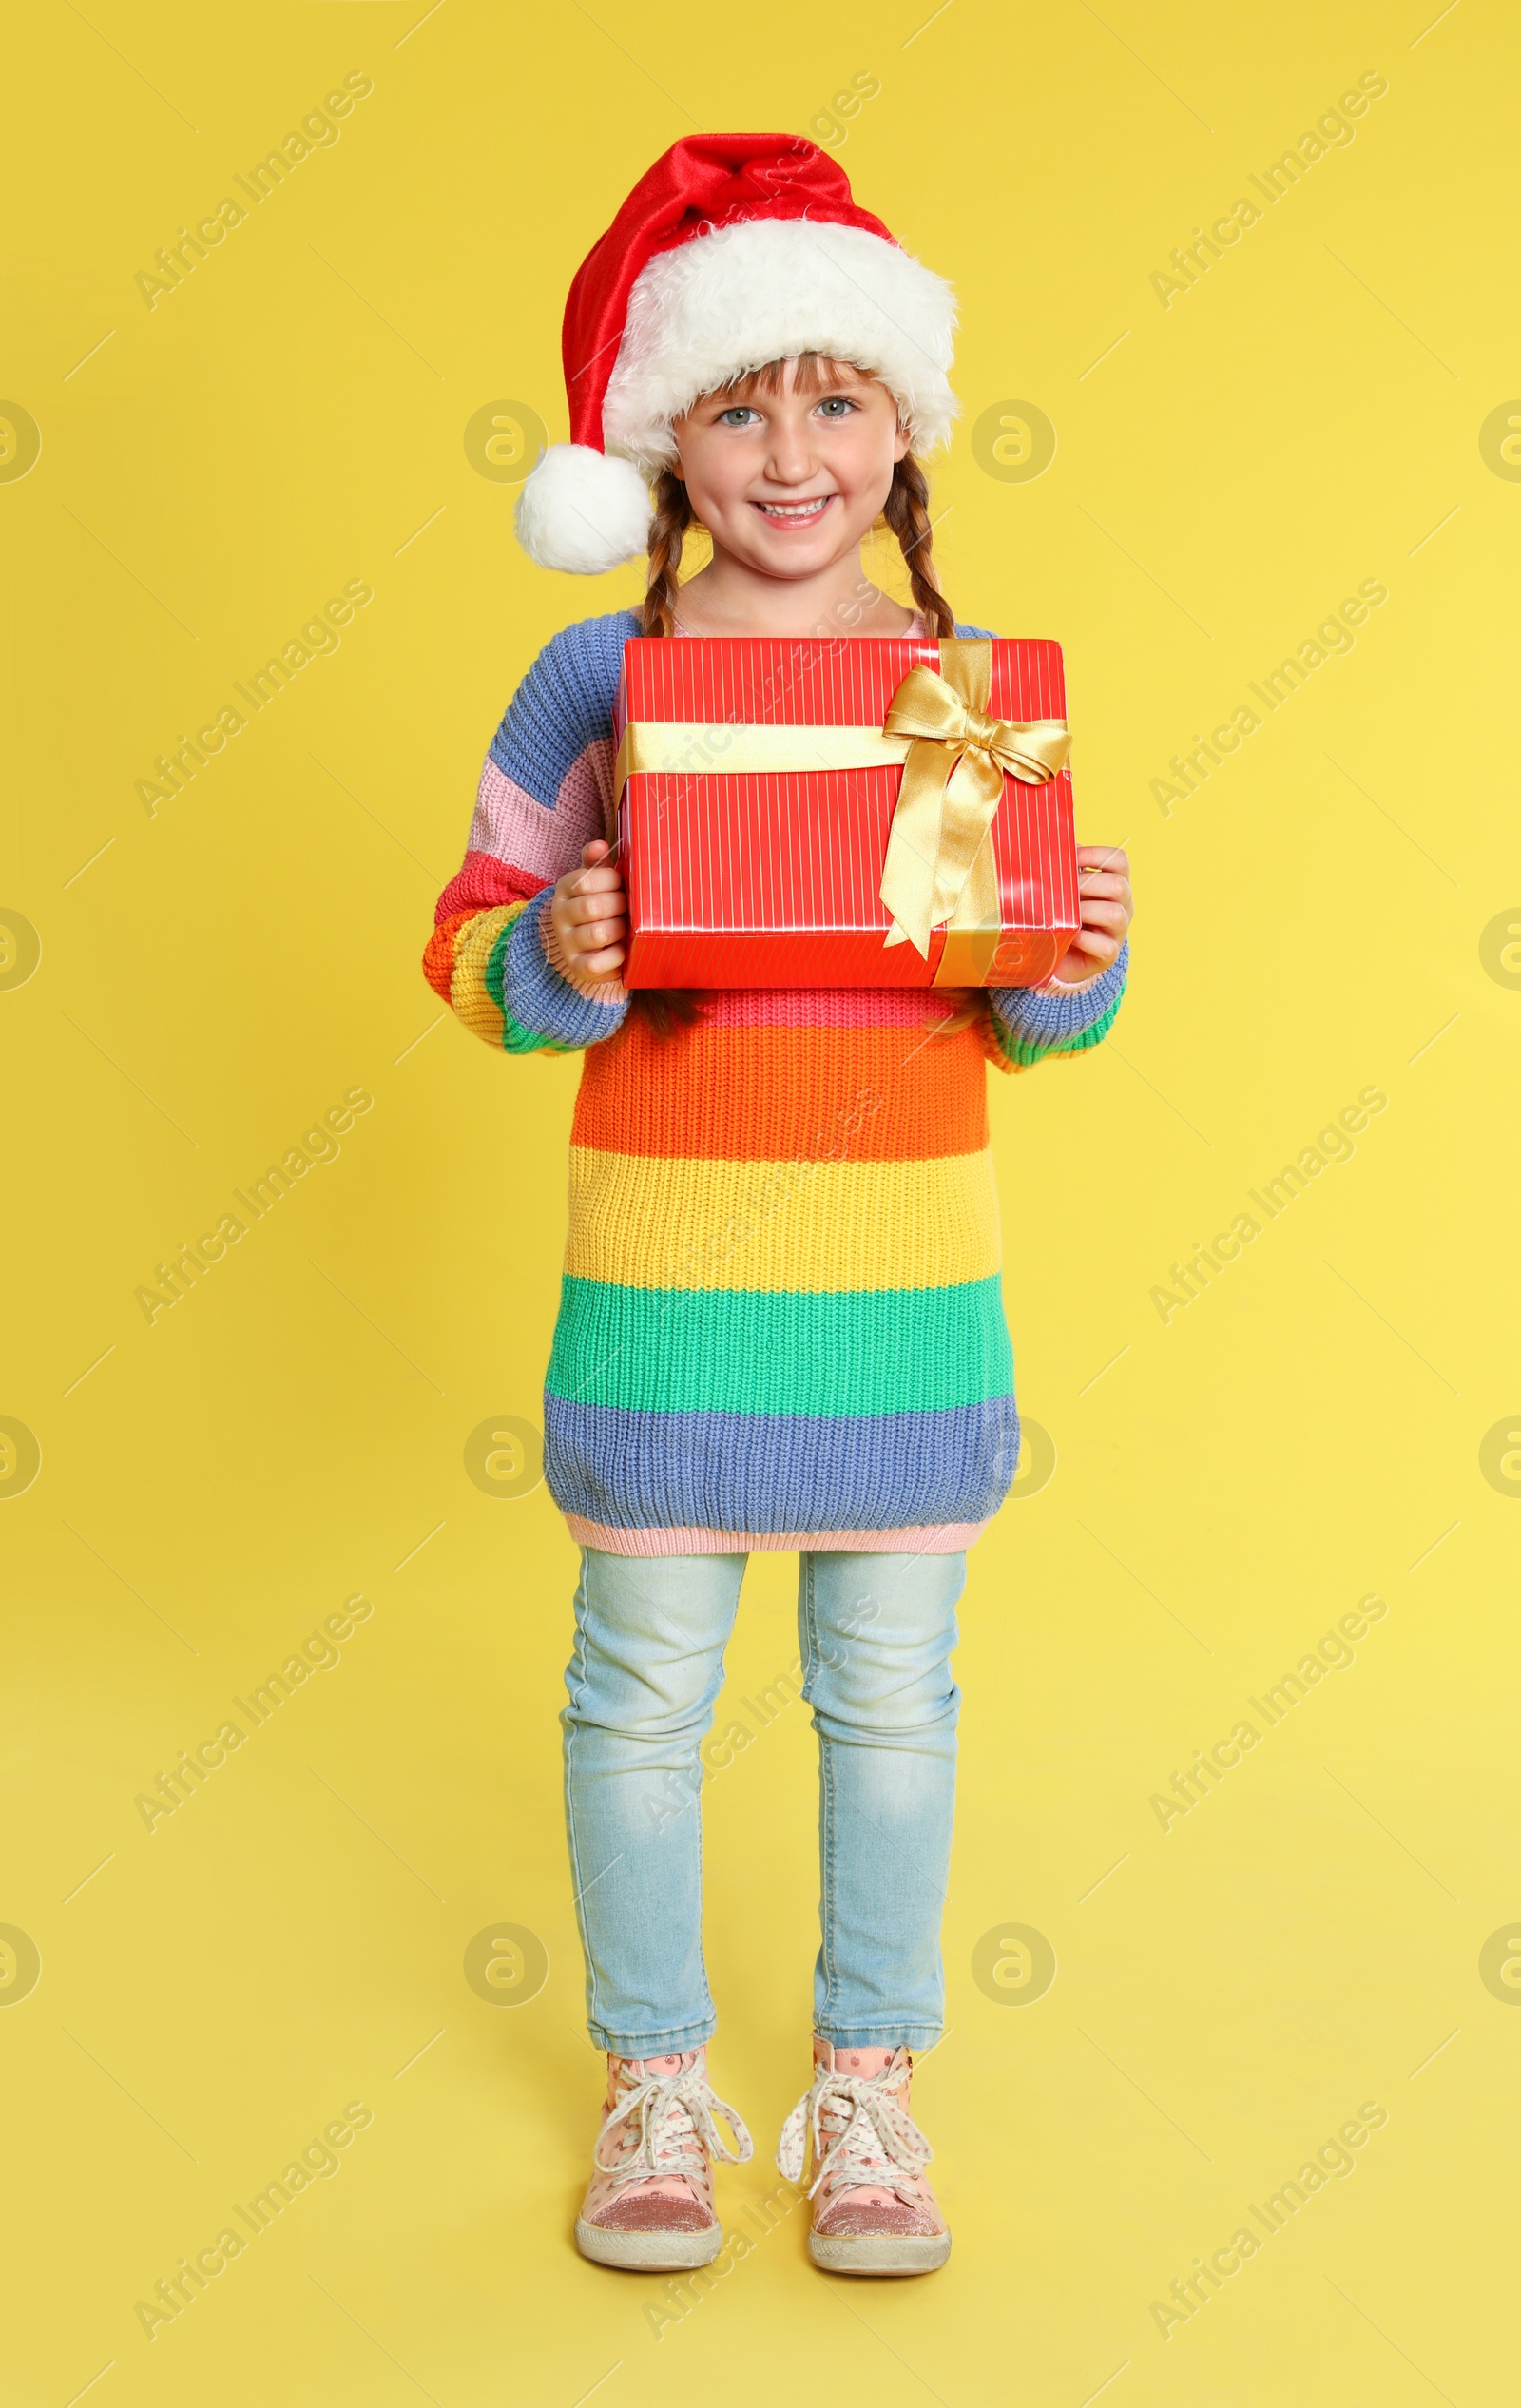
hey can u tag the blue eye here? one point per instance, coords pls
(838, 404)
(740, 412)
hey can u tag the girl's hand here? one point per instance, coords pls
(588, 917)
(1105, 906)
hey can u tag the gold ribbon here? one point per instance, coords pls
(939, 863)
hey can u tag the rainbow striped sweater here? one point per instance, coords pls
(781, 1319)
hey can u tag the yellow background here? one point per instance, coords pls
(1229, 1991)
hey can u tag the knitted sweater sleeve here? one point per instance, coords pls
(1028, 1023)
(545, 789)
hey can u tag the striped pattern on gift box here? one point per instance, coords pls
(736, 879)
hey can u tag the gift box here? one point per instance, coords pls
(845, 812)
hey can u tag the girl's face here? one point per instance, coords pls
(789, 481)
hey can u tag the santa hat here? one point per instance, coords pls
(733, 251)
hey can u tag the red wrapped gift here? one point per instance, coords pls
(845, 812)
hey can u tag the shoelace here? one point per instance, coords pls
(674, 2116)
(861, 2134)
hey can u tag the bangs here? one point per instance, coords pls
(816, 370)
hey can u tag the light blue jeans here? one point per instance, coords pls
(874, 1635)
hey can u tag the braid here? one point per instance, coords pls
(907, 513)
(666, 1008)
(670, 521)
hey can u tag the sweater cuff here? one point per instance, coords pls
(544, 1003)
(1051, 1020)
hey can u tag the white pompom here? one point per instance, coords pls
(582, 510)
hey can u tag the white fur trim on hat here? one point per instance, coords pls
(583, 511)
(767, 289)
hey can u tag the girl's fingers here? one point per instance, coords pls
(603, 904)
(587, 927)
(1098, 914)
(600, 965)
(1103, 857)
(1103, 948)
(592, 882)
(581, 925)
(595, 934)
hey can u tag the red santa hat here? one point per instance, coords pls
(732, 251)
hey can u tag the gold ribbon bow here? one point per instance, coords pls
(940, 862)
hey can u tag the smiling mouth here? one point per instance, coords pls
(796, 513)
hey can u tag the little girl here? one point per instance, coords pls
(830, 1372)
